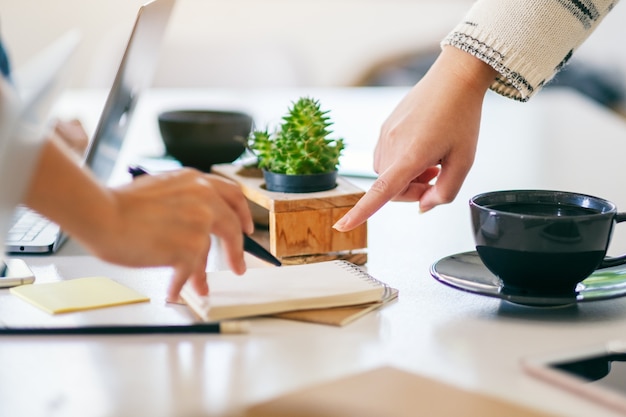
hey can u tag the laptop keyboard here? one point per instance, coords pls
(26, 226)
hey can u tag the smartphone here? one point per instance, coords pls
(597, 372)
(14, 272)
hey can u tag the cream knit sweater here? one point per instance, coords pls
(526, 41)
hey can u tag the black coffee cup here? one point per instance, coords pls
(542, 242)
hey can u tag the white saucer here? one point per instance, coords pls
(466, 272)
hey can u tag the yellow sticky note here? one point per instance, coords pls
(78, 294)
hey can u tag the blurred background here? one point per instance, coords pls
(286, 43)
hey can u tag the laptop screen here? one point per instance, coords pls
(133, 76)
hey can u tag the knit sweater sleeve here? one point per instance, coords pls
(526, 41)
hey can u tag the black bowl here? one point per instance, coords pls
(202, 138)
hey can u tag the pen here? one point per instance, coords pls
(226, 327)
(249, 245)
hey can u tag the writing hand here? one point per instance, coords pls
(168, 219)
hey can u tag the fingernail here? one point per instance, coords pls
(341, 223)
(175, 300)
(423, 210)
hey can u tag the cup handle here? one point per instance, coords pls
(615, 260)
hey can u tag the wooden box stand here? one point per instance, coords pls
(299, 226)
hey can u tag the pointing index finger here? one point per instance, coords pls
(389, 184)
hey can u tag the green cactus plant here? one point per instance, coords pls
(301, 145)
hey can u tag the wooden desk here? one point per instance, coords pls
(558, 140)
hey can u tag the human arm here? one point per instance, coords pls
(161, 220)
(509, 46)
(528, 42)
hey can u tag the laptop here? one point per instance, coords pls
(23, 121)
(32, 233)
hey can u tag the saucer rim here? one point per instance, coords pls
(583, 295)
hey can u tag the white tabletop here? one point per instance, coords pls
(558, 140)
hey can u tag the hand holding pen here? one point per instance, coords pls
(249, 245)
(169, 220)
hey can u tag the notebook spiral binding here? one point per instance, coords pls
(363, 274)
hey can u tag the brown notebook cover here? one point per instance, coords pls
(388, 392)
(337, 316)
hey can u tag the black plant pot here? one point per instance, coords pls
(307, 183)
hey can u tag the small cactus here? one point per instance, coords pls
(301, 144)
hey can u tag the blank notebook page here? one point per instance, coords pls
(262, 291)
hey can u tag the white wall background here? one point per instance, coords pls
(258, 42)
(308, 42)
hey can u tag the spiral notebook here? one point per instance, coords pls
(268, 291)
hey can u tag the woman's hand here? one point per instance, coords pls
(72, 133)
(168, 219)
(158, 220)
(432, 134)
